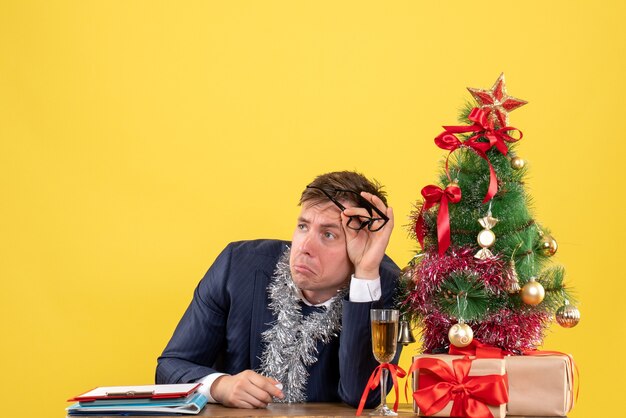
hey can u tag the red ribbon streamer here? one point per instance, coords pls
(479, 350)
(482, 127)
(470, 394)
(395, 372)
(433, 195)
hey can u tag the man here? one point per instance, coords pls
(273, 320)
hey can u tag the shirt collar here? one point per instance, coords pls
(300, 296)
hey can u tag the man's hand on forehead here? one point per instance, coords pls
(366, 248)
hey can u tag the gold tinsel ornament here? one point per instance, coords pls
(567, 315)
(533, 292)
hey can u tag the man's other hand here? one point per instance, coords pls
(245, 390)
(366, 249)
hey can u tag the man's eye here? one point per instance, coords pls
(302, 227)
(329, 235)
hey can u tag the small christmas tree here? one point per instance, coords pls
(484, 271)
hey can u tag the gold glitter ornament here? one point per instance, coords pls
(548, 245)
(533, 292)
(486, 238)
(407, 273)
(512, 278)
(460, 335)
(567, 315)
(517, 163)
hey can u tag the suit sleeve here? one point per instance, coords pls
(199, 337)
(356, 361)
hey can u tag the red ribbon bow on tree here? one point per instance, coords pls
(394, 371)
(432, 195)
(483, 128)
(470, 394)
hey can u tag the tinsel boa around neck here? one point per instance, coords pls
(290, 342)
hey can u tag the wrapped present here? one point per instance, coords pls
(540, 384)
(459, 386)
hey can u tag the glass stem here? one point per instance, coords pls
(383, 388)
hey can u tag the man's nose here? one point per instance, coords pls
(308, 244)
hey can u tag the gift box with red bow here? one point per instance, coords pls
(459, 386)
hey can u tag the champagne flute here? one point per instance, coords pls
(384, 344)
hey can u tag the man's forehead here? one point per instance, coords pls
(323, 212)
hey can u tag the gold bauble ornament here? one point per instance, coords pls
(517, 163)
(533, 292)
(567, 315)
(548, 245)
(460, 335)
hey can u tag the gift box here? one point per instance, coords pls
(453, 385)
(540, 384)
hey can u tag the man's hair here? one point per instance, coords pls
(342, 180)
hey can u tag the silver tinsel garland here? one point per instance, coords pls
(290, 343)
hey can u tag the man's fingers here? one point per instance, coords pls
(245, 390)
(390, 216)
(350, 233)
(267, 385)
(357, 211)
(255, 399)
(376, 201)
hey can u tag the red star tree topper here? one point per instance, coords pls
(496, 102)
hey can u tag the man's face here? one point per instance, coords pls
(319, 260)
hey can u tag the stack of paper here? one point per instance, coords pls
(139, 400)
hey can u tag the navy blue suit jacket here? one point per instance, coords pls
(221, 329)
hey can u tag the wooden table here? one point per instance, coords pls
(302, 410)
(297, 410)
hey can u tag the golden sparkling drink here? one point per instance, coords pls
(384, 340)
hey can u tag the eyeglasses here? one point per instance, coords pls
(357, 222)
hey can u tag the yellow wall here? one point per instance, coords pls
(139, 137)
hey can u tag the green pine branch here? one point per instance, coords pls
(464, 296)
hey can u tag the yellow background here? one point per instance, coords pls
(139, 137)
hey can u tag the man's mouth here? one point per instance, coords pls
(303, 269)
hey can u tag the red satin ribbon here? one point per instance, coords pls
(572, 367)
(470, 394)
(482, 127)
(432, 195)
(394, 371)
(479, 350)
